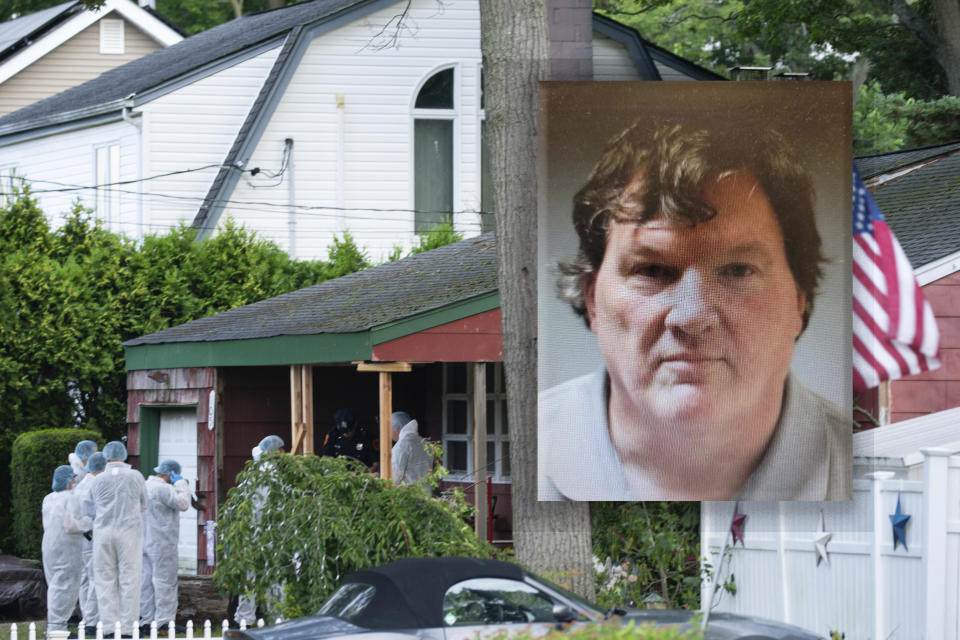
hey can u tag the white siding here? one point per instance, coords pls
(195, 127)
(67, 161)
(669, 73)
(352, 161)
(612, 61)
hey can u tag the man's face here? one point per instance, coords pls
(697, 324)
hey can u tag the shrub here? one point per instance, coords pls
(34, 457)
(650, 548)
(304, 522)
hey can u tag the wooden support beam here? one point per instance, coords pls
(386, 409)
(392, 367)
(480, 448)
(301, 409)
(306, 412)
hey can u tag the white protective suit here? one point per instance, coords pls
(61, 557)
(79, 467)
(161, 533)
(247, 605)
(410, 462)
(119, 496)
(83, 506)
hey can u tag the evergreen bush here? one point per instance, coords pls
(34, 456)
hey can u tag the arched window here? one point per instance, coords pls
(434, 113)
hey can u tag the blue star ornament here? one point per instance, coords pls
(899, 521)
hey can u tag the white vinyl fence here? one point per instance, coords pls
(865, 588)
(157, 632)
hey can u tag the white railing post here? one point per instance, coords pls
(243, 625)
(99, 635)
(80, 629)
(13, 631)
(117, 630)
(189, 629)
(153, 630)
(879, 569)
(260, 622)
(171, 631)
(935, 470)
(207, 630)
(136, 631)
(278, 621)
(224, 626)
(32, 631)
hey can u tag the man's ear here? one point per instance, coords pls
(588, 283)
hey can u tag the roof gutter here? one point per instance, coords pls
(67, 120)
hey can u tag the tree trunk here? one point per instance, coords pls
(549, 537)
(948, 28)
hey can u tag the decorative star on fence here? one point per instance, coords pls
(899, 522)
(820, 542)
(737, 524)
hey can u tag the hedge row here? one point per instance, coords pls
(35, 456)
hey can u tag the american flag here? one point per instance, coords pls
(894, 330)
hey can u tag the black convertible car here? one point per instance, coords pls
(455, 598)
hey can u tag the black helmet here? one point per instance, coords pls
(343, 420)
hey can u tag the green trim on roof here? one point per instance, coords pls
(303, 349)
(277, 350)
(434, 318)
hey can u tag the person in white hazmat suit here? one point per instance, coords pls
(84, 505)
(120, 496)
(78, 459)
(247, 605)
(168, 493)
(61, 550)
(410, 462)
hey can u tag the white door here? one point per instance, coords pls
(178, 441)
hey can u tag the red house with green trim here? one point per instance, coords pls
(421, 335)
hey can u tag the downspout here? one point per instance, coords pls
(291, 201)
(137, 122)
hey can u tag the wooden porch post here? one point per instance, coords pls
(386, 370)
(301, 409)
(480, 448)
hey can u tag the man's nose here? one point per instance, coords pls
(693, 308)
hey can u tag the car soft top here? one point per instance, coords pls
(409, 592)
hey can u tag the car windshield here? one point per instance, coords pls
(349, 601)
(579, 603)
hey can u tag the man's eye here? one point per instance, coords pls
(654, 271)
(737, 270)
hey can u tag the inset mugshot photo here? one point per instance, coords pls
(694, 291)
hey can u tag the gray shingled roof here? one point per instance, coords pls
(356, 302)
(177, 60)
(876, 164)
(923, 208)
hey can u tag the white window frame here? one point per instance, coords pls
(108, 46)
(452, 115)
(107, 200)
(498, 394)
(9, 177)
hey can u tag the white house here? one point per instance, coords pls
(53, 49)
(299, 123)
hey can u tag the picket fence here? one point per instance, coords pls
(156, 632)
